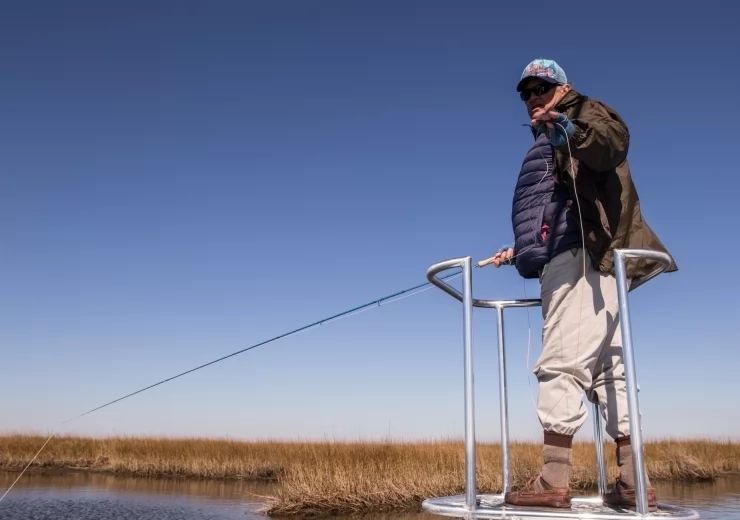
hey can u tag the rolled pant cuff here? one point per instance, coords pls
(559, 440)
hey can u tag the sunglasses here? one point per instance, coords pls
(538, 90)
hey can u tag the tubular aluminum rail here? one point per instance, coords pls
(473, 505)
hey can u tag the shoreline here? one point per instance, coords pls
(55, 470)
(313, 478)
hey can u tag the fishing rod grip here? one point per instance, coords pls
(489, 261)
(485, 262)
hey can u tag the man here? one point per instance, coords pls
(580, 147)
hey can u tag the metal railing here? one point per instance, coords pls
(466, 297)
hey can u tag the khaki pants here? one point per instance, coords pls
(581, 347)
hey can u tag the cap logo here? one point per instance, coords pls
(540, 70)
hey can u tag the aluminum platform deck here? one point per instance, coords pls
(592, 508)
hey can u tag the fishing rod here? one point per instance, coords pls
(365, 306)
(360, 308)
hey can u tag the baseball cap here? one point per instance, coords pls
(546, 70)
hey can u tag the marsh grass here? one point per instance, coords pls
(355, 478)
(319, 478)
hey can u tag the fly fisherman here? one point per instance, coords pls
(566, 241)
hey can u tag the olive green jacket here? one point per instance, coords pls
(609, 204)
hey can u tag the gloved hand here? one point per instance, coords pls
(555, 125)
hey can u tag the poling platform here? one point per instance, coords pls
(492, 506)
(473, 505)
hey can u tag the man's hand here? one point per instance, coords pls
(503, 257)
(545, 120)
(540, 116)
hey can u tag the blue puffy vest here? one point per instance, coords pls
(542, 226)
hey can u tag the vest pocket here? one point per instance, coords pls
(549, 221)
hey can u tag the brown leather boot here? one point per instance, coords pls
(550, 487)
(623, 492)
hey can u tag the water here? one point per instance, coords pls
(86, 496)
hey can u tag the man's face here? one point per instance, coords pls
(541, 94)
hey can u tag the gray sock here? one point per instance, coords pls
(626, 464)
(556, 470)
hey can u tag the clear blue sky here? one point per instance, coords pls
(181, 181)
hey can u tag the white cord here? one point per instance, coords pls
(529, 325)
(583, 253)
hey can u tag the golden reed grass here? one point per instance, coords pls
(319, 478)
